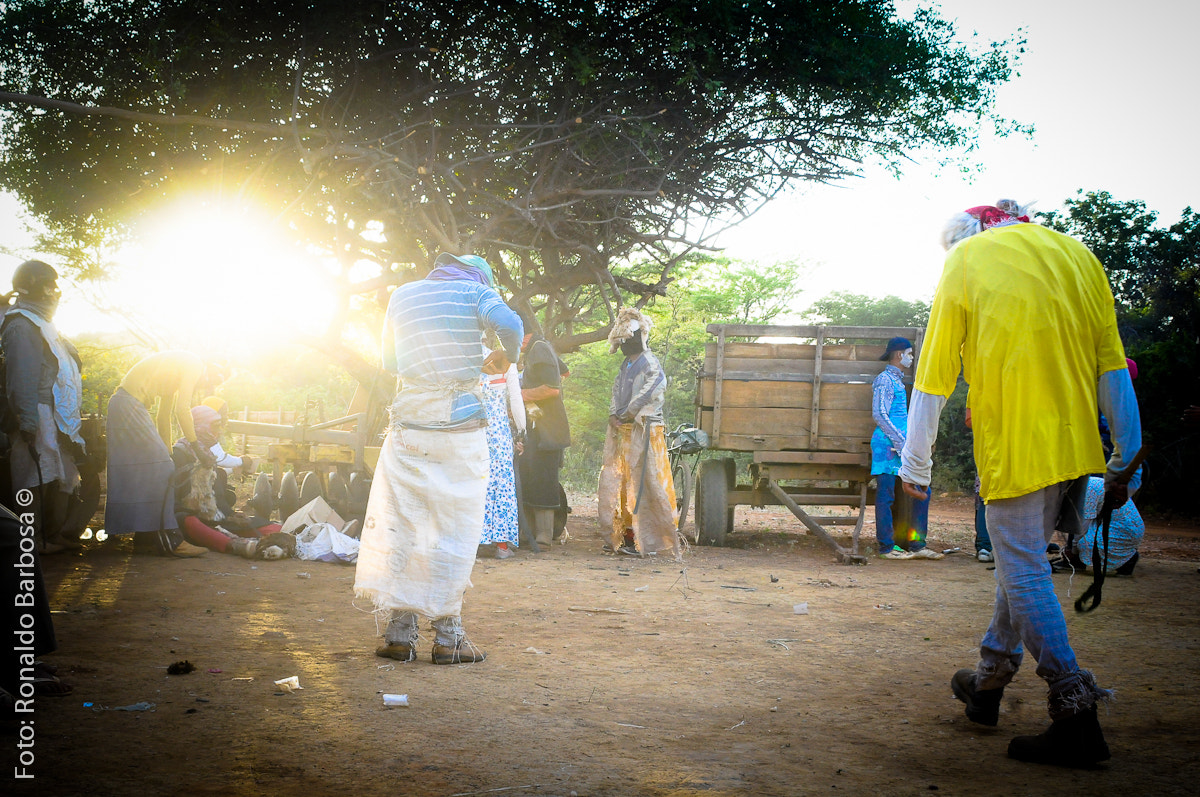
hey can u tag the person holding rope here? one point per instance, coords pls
(1027, 314)
(636, 494)
(41, 431)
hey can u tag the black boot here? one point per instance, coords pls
(1127, 568)
(1074, 741)
(983, 705)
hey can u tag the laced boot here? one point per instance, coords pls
(983, 705)
(462, 652)
(1074, 741)
(399, 651)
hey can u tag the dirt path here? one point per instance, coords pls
(605, 676)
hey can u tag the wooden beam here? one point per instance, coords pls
(720, 378)
(815, 422)
(780, 331)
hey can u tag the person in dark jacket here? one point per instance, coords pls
(43, 391)
(549, 434)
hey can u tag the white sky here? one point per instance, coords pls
(1109, 87)
(1111, 90)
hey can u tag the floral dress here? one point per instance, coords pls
(1125, 531)
(500, 508)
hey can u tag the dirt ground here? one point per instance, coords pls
(605, 676)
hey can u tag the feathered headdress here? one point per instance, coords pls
(629, 322)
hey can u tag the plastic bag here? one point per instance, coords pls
(321, 542)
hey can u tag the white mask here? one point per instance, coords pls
(906, 359)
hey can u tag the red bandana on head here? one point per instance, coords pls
(990, 216)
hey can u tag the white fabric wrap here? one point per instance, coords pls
(516, 406)
(424, 520)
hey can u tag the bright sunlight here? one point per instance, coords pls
(222, 280)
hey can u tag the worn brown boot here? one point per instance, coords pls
(461, 653)
(185, 550)
(400, 651)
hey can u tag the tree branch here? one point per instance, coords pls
(139, 116)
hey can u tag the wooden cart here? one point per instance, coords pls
(802, 410)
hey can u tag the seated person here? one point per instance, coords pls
(1124, 534)
(205, 502)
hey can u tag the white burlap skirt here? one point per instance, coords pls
(423, 522)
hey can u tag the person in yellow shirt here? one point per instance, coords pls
(1027, 314)
(140, 499)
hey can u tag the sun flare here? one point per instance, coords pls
(223, 280)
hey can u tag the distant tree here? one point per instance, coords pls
(1155, 275)
(560, 139)
(851, 309)
(731, 292)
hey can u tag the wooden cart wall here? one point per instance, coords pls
(781, 396)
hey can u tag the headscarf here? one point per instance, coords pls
(973, 221)
(629, 322)
(991, 216)
(206, 420)
(462, 267)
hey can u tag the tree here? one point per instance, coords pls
(842, 308)
(1155, 276)
(559, 139)
(737, 292)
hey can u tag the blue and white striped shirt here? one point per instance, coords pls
(432, 337)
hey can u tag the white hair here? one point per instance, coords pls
(964, 225)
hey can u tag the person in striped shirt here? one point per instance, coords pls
(425, 513)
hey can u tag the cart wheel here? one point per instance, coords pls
(681, 474)
(713, 515)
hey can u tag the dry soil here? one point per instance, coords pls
(605, 676)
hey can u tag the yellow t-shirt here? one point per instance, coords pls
(1029, 314)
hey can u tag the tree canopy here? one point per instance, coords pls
(559, 139)
(842, 308)
(1155, 276)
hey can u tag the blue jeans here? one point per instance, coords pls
(983, 542)
(907, 525)
(1027, 611)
